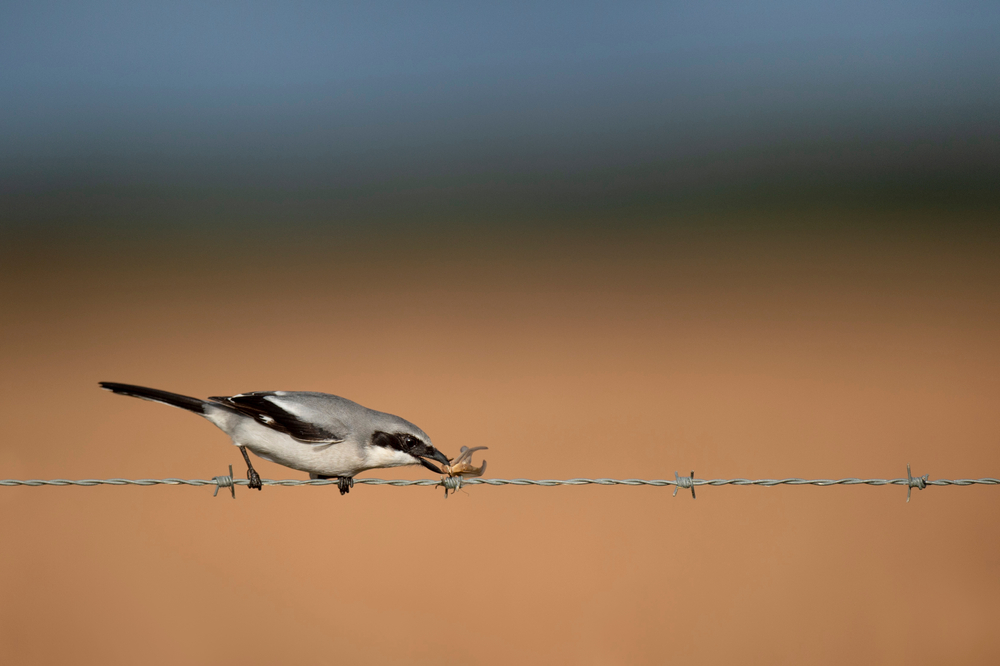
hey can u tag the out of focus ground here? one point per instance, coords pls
(828, 347)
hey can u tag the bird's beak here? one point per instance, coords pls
(438, 456)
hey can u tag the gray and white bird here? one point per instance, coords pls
(324, 435)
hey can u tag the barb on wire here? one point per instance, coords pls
(919, 483)
(679, 482)
(452, 483)
(225, 482)
(684, 482)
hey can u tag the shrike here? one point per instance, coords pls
(324, 435)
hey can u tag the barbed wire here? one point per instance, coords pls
(454, 483)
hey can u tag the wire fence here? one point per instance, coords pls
(451, 484)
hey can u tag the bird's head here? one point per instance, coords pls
(411, 442)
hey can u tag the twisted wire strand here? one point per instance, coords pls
(915, 482)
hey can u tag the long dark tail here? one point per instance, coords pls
(174, 400)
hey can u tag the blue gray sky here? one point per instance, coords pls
(396, 109)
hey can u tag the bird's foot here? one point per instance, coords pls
(345, 483)
(254, 478)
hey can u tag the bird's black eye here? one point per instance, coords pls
(412, 441)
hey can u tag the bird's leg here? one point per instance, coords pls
(252, 476)
(345, 483)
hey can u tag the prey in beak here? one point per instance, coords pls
(460, 468)
(462, 465)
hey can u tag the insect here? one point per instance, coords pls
(461, 467)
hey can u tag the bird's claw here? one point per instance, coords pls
(345, 483)
(254, 478)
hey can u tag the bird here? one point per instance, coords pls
(322, 434)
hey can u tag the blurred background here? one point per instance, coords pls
(753, 240)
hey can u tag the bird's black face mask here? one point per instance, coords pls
(413, 446)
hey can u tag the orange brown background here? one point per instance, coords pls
(829, 345)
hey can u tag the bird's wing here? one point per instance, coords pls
(274, 410)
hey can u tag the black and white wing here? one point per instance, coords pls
(280, 411)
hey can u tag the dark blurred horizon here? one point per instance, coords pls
(183, 115)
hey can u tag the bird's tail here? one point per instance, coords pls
(174, 400)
